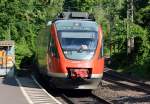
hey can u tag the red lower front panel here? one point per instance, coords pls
(75, 69)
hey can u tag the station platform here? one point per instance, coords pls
(10, 92)
(23, 90)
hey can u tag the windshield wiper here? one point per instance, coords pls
(83, 48)
(78, 49)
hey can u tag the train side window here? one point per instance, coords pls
(50, 44)
(101, 50)
(52, 48)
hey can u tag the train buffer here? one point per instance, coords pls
(23, 90)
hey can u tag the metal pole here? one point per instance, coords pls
(132, 7)
(132, 20)
(127, 27)
(130, 40)
(6, 59)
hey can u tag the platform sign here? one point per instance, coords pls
(7, 58)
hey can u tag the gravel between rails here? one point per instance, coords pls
(121, 95)
(83, 97)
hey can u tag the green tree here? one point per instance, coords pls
(21, 20)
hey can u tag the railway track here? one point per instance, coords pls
(117, 78)
(84, 99)
(74, 96)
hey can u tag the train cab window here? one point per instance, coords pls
(78, 45)
(78, 39)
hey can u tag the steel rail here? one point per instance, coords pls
(99, 100)
(120, 76)
(136, 88)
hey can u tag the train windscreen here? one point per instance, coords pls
(78, 39)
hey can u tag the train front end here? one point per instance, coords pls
(77, 60)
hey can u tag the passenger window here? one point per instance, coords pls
(101, 50)
(52, 48)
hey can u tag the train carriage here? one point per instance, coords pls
(70, 51)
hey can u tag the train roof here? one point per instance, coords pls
(75, 24)
(75, 15)
(7, 43)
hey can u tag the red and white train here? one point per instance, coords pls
(70, 51)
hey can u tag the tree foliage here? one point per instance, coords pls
(139, 29)
(21, 20)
